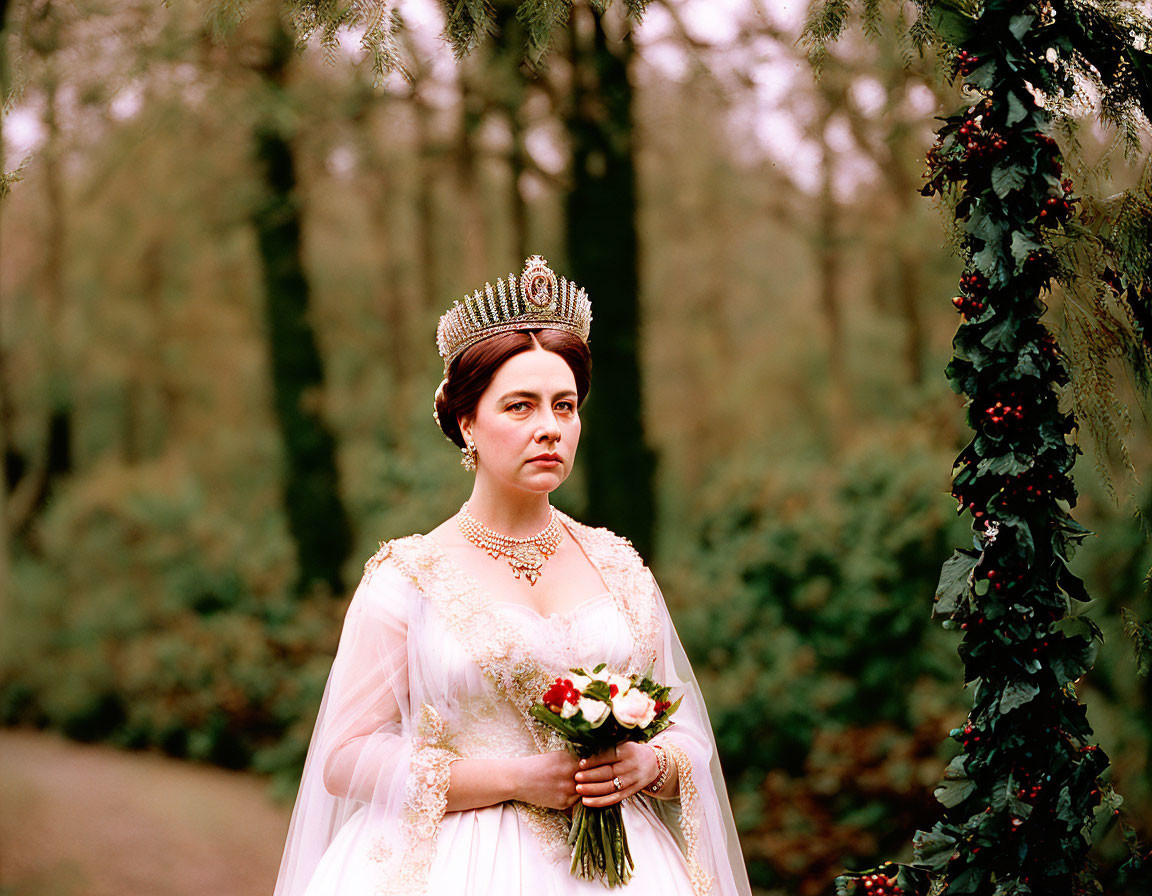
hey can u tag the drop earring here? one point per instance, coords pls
(468, 461)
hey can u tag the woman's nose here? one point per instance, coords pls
(549, 428)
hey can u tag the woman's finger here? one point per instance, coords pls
(600, 772)
(612, 797)
(600, 786)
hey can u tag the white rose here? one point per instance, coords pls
(594, 711)
(567, 709)
(634, 708)
(621, 681)
(580, 682)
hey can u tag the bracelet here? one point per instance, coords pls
(661, 771)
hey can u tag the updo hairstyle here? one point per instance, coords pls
(472, 371)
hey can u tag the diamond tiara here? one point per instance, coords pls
(534, 300)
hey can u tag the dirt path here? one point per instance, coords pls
(81, 820)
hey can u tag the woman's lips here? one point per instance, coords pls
(547, 461)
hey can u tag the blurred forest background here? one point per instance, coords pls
(222, 268)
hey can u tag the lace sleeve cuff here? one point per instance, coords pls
(689, 820)
(425, 799)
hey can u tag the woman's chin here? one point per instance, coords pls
(544, 480)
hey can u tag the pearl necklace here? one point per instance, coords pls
(525, 555)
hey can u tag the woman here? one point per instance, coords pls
(426, 772)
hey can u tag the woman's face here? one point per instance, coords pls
(527, 411)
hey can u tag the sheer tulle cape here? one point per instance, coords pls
(426, 673)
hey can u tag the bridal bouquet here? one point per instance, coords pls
(594, 711)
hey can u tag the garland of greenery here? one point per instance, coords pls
(1020, 800)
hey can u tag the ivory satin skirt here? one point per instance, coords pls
(492, 852)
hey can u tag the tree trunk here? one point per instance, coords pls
(828, 250)
(316, 515)
(602, 249)
(426, 154)
(31, 494)
(517, 165)
(475, 233)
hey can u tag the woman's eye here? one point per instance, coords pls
(566, 407)
(518, 406)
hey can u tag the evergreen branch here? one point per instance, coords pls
(1140, 631)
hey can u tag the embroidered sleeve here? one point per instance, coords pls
(689, 820)
(425, 800)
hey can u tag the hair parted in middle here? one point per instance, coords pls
(472, 371)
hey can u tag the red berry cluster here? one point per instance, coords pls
(966, 62)
(979, 143)
(1058, 209)
(1030, 793)
(975, 287)
(878, 885)
(1007, 411)
(975, 621)
(1001, 579)
(968, 306)
(969, 737)
(973, 284)
(1031, 487)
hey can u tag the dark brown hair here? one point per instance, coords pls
(472, 371)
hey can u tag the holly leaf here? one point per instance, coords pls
(967, 881)
(932, 849)
(1026, 366)
(956, 786)
(1072, 585)
(983, 75)
(1010, 464)
(1079, 627)
(1020, 24)
(1017, 694)
(1016, 110)
(1022, 245)
(1005, 179)
(987, 262)
(1000, 334)
(953, 585)
(985, 226)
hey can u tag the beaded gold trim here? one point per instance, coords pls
(376, 559)
(690, 820)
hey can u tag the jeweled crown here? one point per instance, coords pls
(535, 299)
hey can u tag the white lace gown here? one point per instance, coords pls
(431, 669)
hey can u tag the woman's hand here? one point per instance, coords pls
(634, 764)
(546, 779)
